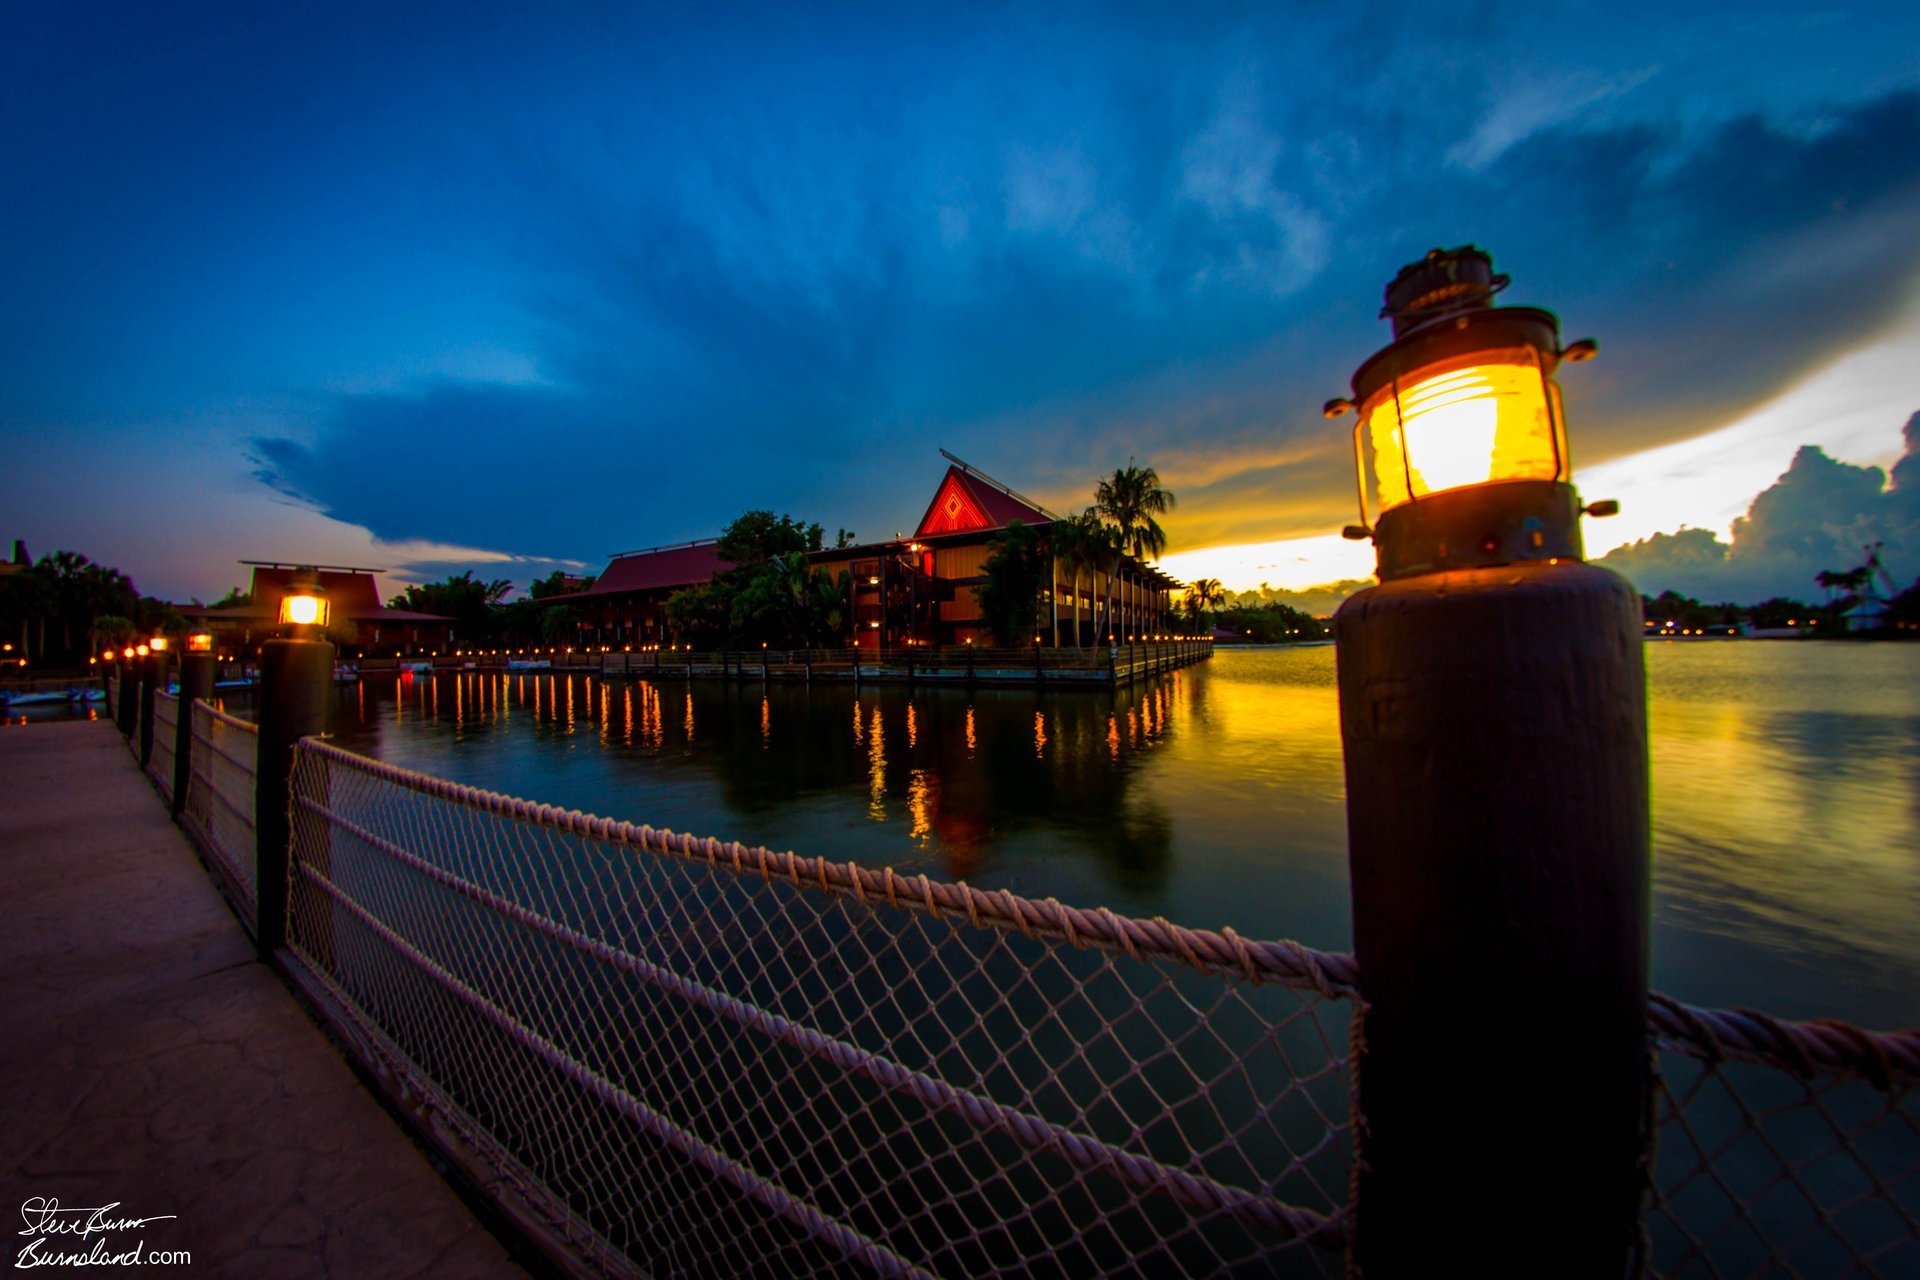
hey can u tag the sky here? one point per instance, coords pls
(429, 289)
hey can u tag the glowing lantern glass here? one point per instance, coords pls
(1460, 427)
(158, 644)
(1493, 415)
(304, 610)
(141, 649)
(200, 642)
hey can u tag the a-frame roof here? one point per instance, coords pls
(967, 503)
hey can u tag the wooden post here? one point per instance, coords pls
(296, 692)
(129, 710)
(196, 681)
(152, 671)
(1494, 723)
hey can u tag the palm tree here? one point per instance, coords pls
(1105, 550)
(1204, 595)
(1080, 541)
(1130, 499)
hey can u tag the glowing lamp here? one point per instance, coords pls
(200, 642)
(127, 654)
(305, 605)
(1460, 427)
(158, 644)
(141, 649)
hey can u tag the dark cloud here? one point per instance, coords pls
(771, 315)
(1716, 270)
(1818, 516)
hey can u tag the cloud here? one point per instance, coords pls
(1530, 104)
(1819, 515)
(752, 314)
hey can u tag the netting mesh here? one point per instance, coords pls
(1787, 1166)
(691, 1058)
(219, 808)
(165, 723)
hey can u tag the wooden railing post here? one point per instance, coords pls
(296, 694)
(152, 670)
(1495, 730)
(196, 681)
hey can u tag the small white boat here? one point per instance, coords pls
(43, 697)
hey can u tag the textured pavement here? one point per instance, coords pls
(146, 1059)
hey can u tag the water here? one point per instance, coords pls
(1786, 794)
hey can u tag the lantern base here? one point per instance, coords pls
(1480, 526)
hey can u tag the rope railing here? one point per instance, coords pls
(218, 812)
(1782, 1148)
(688, 1056)
(166, 711)
(672, 1054)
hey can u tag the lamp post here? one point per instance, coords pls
(196, 682)
(1493, 716)
(127, 715)
(296, 684)
(153, 676)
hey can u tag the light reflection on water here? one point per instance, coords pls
(1786, 818)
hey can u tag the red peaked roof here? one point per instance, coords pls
(350, 594)
(965, 503)
(683, 566)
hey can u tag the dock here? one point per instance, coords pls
(151, 1063)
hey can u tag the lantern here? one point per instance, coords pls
(305, 604)
(142, 650)
(158, 644)
(200, 642)
(1460, 426)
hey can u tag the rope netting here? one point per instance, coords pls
(688, 1057)
(1783, 1148)
(219, 808)
(166, 710)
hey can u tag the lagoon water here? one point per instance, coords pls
(1786, 794)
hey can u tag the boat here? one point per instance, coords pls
(41, 698)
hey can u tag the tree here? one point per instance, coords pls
(110, 631)
(699, 616)
(1779, 612)
(559, 624)
(235, 597)
(1015, 570)
(1083, 543)
(1130, 499)
(556, 584)
(467, 600)
(1203, 596)
(758, 536)
(1104, 551)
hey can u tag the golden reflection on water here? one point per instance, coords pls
(921, 802)
(877, 768)
(1786, 785)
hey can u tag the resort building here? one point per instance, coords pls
(360, 623)
(626, 607)
(913, 590)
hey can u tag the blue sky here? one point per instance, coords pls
(437, 288)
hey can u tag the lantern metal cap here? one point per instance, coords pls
(1443, 282)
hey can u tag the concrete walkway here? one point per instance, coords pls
(146, 1059)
